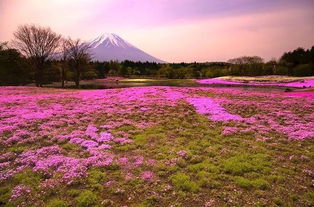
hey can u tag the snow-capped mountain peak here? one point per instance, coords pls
(109, 39)
(107, 47)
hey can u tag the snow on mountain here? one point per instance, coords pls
(108, 47)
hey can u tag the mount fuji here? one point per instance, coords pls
(110, 46)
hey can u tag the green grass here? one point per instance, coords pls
(86, 199)
(249, 184)
(183, 182)
(245, 163)
(28, 177)
(57, 203)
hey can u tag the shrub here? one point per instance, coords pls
(196, 159)
(151, 201)
(4, 195)
(86, 198)
(302, 70)
(205, 165)
(73, 192)
(95, 176)
(248, 184)
(70, 146)
(57, 203)
(140, 139)
(206, 179)
(260, 184)
(197, 167)
(244, 163)
(242, 182)
(310, 196)
(27, 177)
(208, 183)
(17, 149)
(278, 202)
(183, 182)
(276, 179)
(181, 163)
(97, 187)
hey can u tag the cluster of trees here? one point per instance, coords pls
(13, 69)
(39, 55)
(299, 62)
(148, 69)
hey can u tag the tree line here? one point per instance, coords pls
(39, 55)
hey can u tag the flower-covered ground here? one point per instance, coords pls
(156, 146)
(283, 81)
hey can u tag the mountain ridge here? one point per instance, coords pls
(109, 46)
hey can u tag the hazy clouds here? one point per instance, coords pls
(175, 30)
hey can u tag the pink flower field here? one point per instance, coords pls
(156, 146)
(308, 83)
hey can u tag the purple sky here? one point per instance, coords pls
(175, 30)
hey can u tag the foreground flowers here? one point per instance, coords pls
(215, 111)
(159, 142)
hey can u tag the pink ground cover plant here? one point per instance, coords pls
(122, 142)
(308, 83)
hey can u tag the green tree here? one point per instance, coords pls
(303, 70)
(166, 71)
(13, 70)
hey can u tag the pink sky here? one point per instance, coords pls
(175, 30)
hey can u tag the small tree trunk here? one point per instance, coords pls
(37, 78)
(77, 83)
(62, 77)
(41, 82)
(39, 71)
(77, 78)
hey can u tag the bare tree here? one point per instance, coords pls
(4, 45)
(246, 60)
(64, 56)
(77, 56)
(38, 44)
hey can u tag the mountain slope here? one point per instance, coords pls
(108, 47)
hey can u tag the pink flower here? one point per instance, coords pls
(144, 109)
(104, 146)
(229, 131)
(20, 190)
(308, 172)
(123, 160)
(76, 140)
(105, 137)
(129, 176)
(89, 144)
(182, 153)
(138, 161)
(123, 140)
(109, 183)
(214, 111)
(148, 175)
(91, 131)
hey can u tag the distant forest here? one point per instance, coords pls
(18, 67)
